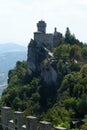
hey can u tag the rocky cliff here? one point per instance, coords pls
(40, 60)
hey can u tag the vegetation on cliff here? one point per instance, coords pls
(59, 103)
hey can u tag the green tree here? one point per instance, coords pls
(69, 38)
(61, 70)
(84, 70)
(84, 126)
(62, 52)
(82, 106)
(84, 51)
(75, 53)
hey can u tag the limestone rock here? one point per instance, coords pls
(36, 54)
(48, 72)
(39, 60)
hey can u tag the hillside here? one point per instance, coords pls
(61, 101)
(11, 47)
(9, 55)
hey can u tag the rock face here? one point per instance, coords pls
(39, 60)
(36, 54)
(40, 55)
(48, 72)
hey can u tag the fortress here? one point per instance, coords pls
(17, 121)
(47, 39)
(40, 56)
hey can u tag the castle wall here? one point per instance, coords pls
(17, 123)
(18, 120)
(6, 115)
(44, 39)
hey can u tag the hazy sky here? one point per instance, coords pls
(18, 18)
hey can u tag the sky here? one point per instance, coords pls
(18, 18)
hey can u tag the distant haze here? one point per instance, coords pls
(10, 53)
(11, 47)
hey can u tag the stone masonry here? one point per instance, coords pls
(16, 121)
(48, 40)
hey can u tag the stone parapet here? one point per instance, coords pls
(19, 122)
(44, 125)
(60, 128)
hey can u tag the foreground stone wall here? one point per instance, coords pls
(16, 121)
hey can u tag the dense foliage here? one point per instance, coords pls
(60, 103)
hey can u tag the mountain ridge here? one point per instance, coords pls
(9, 47)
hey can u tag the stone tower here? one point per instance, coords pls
(41, 25)
(41, 37)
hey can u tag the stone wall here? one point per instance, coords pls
(44, 39)
(16, 121)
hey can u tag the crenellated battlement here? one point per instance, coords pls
(17, 121)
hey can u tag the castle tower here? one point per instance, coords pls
(55, 31)
(41, 26)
